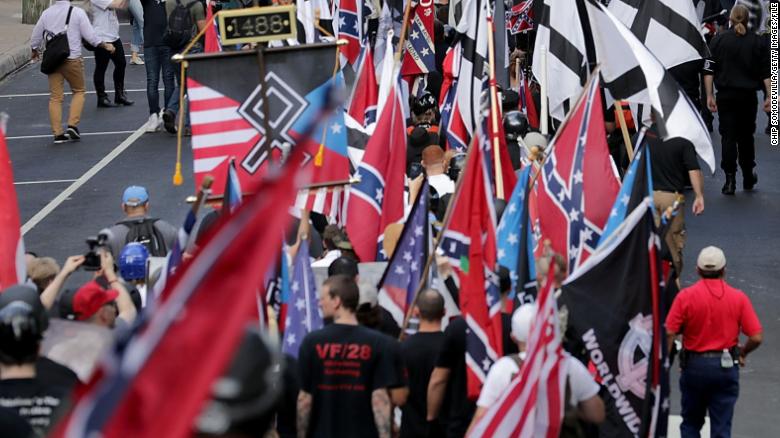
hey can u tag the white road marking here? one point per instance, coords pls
(83, 134)
(51, 181)
(65, 194)
(674, 427)
(68, 93)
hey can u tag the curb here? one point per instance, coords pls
(14, 59)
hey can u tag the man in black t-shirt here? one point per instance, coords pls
(672, 161)
(419, 353)
(344, 370)
(448, 403)
(23, 320)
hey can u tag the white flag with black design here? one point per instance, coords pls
(669, 28)
(631, 72)
(473, 28)
(560, 33)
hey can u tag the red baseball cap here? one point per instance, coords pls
(90, 298)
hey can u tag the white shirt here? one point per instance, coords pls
(442, 183)
(500, 376)
(104, 20)
(53, 22)
(325, 262)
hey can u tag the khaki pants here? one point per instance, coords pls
(73, 72)
(675, 236)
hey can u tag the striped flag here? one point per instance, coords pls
(532, 405)
(12, 266)
(419, 57)
(363, 102)
(630, 71)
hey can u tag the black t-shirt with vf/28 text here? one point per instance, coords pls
(340, 366)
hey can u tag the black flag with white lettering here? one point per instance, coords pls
(614, 304)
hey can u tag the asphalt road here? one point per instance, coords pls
(746, 226)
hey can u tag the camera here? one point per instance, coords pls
(92, 257)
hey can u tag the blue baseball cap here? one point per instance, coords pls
(135, 196)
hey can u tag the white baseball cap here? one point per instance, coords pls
(711, 258)
(521, 321)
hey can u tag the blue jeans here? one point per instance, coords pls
(158, 60)
(137, 11)
(706, 386)
(173, 102)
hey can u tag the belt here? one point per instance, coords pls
(712, 353)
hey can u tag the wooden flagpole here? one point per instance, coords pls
(624, 129)
(494, 111)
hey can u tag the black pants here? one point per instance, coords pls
(737, 118)
(101, 65)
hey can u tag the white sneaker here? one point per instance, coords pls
(153, 125)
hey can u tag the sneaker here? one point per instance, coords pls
(136, 60)
(169, 121)
(62, 138)
(73, 133)
(153, 124)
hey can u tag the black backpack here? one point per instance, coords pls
(179, 31)
(143, 231)
(57, 49)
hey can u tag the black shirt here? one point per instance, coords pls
(51, 373)
(12, 425)
(340, 366)
(687, 75)
(419, 352)
(457, 409)
(33, 400)
(288, 402)
(738, 62)
(155, 22)
(671, 161)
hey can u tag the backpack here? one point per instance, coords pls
(143, 231)
(57, 49)
(179, 31)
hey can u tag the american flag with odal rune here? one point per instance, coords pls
(532, 405)
(303, 313)
(404, 271)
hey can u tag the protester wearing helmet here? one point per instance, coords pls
(132, 269)
(23, 321)
(515, 128)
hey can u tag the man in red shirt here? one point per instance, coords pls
(710, 315)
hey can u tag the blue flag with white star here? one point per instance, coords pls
(404, 270)
(516, 241)
(637, 184)
(303, 313)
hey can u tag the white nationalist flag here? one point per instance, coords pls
(560, 33)
(631, 72)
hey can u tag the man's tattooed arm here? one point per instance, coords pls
(304, 412)
(380, 403)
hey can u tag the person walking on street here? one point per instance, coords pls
(157, 58)
(710, 315)
(738, 65)
(137, 40)
(107, 28)
(674, 161)
(57, 18)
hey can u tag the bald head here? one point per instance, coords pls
(431, 305)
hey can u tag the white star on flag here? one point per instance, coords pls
(624, 200)
(399, 270)
(295, 286)
(512, 208)
(613, 213)
(586, 234)
(418, 231)
(291, 338)
(486, 364)
(425, 51)
(512, 239)
(578, 177)
(413, 266)
(379, 195)
(300, 304)
(561, 195)
(335, 128)
(414, 35)
(574, 215)
(407, 256)
(501, 253)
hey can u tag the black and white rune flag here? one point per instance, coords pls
(669, 28)
(631, 72)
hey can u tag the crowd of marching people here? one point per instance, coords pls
(350, 368)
